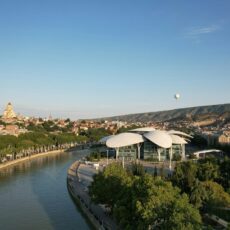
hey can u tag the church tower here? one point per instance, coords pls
(9, 112)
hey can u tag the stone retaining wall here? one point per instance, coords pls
(94, 212)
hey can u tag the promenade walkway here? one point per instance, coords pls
(79, 178)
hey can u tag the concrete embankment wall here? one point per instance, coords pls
(95, 213)
(72, 179)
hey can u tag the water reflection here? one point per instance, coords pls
(34, 195)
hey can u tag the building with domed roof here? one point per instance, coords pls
(9, 112)
(147, 143)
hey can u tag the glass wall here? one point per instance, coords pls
(150, 151)
(164, 154)
(176, 151)
(128, 152)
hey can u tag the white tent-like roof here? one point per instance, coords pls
(178, 140)
(124, 139)
(144, 129)
(197, 154)
(160, 138)
(179, 133)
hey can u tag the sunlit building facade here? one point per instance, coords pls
(149, 144)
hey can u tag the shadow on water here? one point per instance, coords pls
(25, 168)
(79, 209)
(50, 205)
(55, 200)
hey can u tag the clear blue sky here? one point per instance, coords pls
(84, 59)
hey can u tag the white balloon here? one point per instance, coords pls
(177, 96)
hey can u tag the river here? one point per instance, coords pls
(34, 195)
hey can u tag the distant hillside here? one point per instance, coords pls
(192, 114)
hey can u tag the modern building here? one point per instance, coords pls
(209, 152)
(148, 143)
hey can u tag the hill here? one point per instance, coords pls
(193, 114)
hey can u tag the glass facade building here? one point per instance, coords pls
(152, 151)
(128, 152)
(149, 151)
(155, 145)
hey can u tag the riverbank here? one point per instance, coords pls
(14, 162)
(95, 213)
(34, 195)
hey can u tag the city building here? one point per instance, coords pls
(9, 112)
(146, 143)
(224, 138)
(216, 137)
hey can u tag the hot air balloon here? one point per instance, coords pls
(177, 96)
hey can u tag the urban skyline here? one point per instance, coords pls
(58, 114)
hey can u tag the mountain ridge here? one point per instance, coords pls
(189, 113)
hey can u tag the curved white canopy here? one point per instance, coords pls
(207, 151)
(187, 140)
(178, 140)
(144, 129)
(160, 138)
(124, 139)
(179, 133)
(104, 139)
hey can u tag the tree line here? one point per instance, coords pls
(46, 137)
(34, 141)
(207, 183)
(141, 201)
(138, 200)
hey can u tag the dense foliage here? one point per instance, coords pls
(94, 156)
(12, 144)
(47, 134)
(206, 182)
(50, 126)
(123, 129)
(198, 140)
(96, 134)
(142, 201)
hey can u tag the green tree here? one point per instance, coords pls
(67, 120)
(182, 215)
(107, 186)
(225, 174)
(81, 139)
(35, 128)
(208, 171)
(31, 140)
(184, 176)
(155, 171)
(7, 141)
(215, 196)
(199, 141)
(143, 202)
(123, 129)
(97, 134)
(137, 169)
(197, 194)
(155, 204)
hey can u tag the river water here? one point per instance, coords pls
(34, 195)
